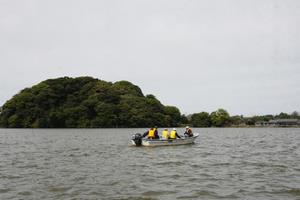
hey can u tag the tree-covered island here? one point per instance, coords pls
(86, 102)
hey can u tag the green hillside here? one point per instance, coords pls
(85, 102)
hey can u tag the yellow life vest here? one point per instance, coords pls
(165, 134)
(151, 133)
(173, 134)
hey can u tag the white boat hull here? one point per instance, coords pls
(171, 142)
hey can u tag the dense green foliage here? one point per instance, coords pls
(201, 120)
(86, 102)
(221, 118)
(218, 118)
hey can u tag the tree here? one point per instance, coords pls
(201, 119)
(295, 115)
(174, 116)
(184, 119)
(282, 116)
(220, 118)
(125, 87)
(237, 120)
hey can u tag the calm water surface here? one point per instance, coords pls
(101, 164)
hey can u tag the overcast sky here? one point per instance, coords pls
(198, 55)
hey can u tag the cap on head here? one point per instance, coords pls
(187, 127)
(174, 129)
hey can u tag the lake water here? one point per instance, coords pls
(223, 163)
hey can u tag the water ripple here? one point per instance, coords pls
(100, 164)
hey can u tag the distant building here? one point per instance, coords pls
(279, 123)
(261, 123)
(284, 122)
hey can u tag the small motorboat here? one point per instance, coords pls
(138, 140)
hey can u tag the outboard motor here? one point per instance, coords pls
(137, 138)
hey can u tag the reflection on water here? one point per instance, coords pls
(101, 164)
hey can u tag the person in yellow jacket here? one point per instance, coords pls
(152, 134)
(165, 134)
(173, 134)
